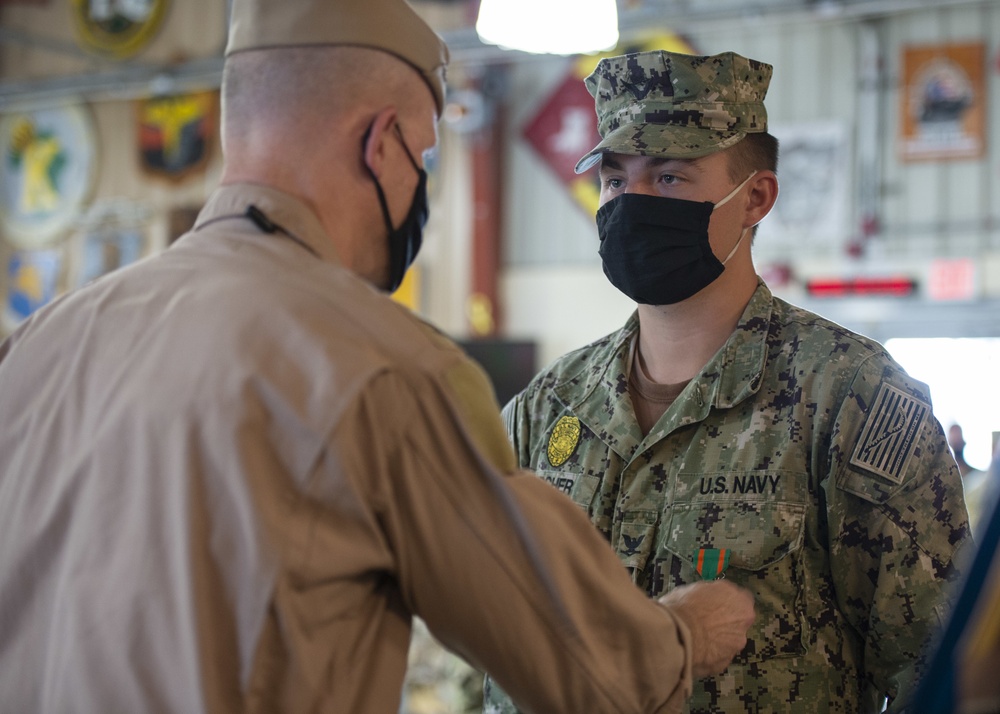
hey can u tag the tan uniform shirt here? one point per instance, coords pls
(229, 475)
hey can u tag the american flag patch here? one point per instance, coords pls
(890, 433)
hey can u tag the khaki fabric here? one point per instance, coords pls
(388, 25)
(809, 454)
(231, 473)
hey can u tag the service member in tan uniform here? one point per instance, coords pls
(725, 433)
(230, 474)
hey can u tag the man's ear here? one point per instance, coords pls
(763, 194)
(373, 144)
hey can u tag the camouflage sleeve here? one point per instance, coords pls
(509, 415)
(495, 700)
(896, 517)
(517, 422)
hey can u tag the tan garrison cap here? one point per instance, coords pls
(388, 25)
(676, 106)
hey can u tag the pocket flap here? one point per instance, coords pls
(757, 533)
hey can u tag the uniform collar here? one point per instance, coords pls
(598, 393)
(280, 208)
(734, 373)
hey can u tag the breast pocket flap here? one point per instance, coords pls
(756, 534)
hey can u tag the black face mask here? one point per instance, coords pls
(405, 241)
(655, 249)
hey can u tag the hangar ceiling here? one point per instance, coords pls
(453, 19)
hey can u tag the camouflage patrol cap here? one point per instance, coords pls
(675, 106)
(388, 25)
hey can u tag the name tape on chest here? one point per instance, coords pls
(890, 433)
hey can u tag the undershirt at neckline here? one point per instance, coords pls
(650, 399)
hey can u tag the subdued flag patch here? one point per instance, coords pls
(890, 433)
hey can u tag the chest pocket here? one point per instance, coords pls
(580, 487)
(764, 539)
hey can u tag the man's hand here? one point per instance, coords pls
(718, 614)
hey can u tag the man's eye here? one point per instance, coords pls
(613, 183)
(668, 178)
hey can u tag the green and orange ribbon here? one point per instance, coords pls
(711, 563)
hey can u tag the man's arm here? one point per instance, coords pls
(510, 574)
(516, 425)
(897, 518)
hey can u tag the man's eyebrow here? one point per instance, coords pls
(610, 163)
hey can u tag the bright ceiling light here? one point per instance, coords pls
(561, 27)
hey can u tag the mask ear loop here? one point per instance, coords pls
(733, 251)
(723, 201)
(413, 161)
(735, 190)
(378, 187)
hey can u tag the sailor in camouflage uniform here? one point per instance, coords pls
(723, 432)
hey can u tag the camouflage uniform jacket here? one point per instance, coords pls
(805, 450)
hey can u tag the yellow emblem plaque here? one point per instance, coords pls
(563, 440)
(117, 28)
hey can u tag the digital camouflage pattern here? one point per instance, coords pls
(810, 454)
(438, 681)
(675, 105)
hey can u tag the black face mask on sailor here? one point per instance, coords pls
(656, 250)
(404, 241)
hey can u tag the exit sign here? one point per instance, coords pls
(952, 279)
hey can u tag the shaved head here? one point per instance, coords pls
(312, 89)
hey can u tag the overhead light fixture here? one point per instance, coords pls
(560, 27)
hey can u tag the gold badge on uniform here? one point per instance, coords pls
(563, 440)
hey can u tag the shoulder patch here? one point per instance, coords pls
(563, 440)
(890, 432)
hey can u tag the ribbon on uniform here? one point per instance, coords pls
(711, 563)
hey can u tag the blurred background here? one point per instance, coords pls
(888, 219)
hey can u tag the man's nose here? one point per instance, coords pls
(641, 187)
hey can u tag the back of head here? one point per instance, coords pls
(291, 93)
(676, 106)
(296, 71)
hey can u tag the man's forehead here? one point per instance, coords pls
(610, 160)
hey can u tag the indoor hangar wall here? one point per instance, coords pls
(108, 137)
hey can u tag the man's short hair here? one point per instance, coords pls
(756, 152)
